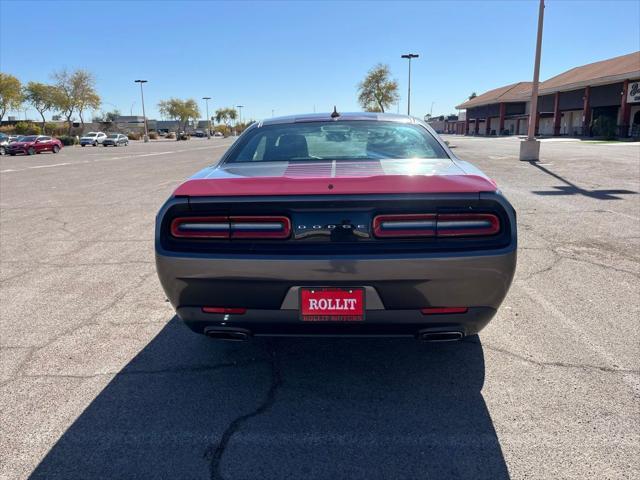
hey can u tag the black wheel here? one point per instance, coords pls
(82, 144)
(95, 144)
(55, 149)
(31, 151)
(12, 154)
(2, 151)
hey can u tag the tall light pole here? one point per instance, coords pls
(144, 115)
(530, 148)
(239, 107)
(409, 56)
(206, 99)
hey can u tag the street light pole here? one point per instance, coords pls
(239, 107)
(206, 99)
(530, 148)
(409, 56)
(144, 115)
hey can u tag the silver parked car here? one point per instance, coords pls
(93, 138)
(115, 139)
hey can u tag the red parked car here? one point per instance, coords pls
(32, 144)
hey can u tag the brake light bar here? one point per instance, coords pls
(240, 227)
(443, 310)
(436, 225)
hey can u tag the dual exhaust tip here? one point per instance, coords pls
(241, 335)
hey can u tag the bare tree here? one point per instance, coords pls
(75, 92)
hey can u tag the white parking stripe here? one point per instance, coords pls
(115, 158)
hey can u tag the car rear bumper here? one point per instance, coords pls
(400, 286)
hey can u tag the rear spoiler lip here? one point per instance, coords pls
(382, 184)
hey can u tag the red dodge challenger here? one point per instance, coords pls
(355, 224)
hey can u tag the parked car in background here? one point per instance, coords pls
(32, 144)
(115, 139)
(218, 134)
(199, 134)
(93, 138)
(15, 138)
(4, 141)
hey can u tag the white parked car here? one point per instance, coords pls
(93, 138)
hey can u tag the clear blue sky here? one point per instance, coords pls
(294, 56)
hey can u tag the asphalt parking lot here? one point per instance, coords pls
(99, 380)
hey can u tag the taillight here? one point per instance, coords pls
(467, 224)
(268, 227)
(201, 227)
(260, 227)
(418, 225)
(436, 225)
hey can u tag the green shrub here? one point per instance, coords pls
(8, 129)
(67, 140)
(27, 128)
(133, 136)
(153, 135)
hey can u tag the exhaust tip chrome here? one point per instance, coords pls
(229, 335)
(453, 336)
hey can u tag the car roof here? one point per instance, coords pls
(326, 117)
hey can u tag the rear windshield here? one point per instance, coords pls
(112, 136)
(344, 140)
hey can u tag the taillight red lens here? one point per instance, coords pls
(443, 310)
(201, 227)
(225, 310)
(241, 227)
(436, 225)
(416, 225)
(260, 227)
(467, 224)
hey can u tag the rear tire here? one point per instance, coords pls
(82, 144)
(31, 151)
(95, 144)
(55, 149)
(2, 151)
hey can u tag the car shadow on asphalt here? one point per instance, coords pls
(570, 188)
(190, 407)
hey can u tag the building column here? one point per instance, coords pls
(537, 131)
(466, 126)
(476, 127)
(625, 111)
(503, 111)
(518, 126)
(487, 126)
(556, 115)
(586, 112)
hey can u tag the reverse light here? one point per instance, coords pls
(240, 227)
(436, 225)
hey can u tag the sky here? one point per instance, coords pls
(298, 57)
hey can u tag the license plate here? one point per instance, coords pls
(331, 304)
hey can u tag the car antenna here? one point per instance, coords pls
(335, 113)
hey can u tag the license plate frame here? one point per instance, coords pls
(333, 293)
